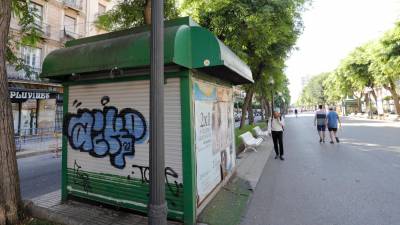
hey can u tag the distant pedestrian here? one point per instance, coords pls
(320, 122)
(332, 121)
(295, 112)
(276, 125)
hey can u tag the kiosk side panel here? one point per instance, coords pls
(107, 136)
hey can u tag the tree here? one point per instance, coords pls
(132, 13)
(338, 87)
(353, 76)
(10, 199)
(386, 62)
(260, 32)
(314, 92)
(9, 184)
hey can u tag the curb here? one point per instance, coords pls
(30, 154)
(375, 120)
(45, 214)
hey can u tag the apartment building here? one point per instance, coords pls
(37, 103)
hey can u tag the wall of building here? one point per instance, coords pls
(60, 21)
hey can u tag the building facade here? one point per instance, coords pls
(37, 103)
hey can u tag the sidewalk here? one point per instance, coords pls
(229, 205)
(390, 119)
(31, 148)
(226, 208)
(49, 207)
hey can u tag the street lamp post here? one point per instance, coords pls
(157, 209)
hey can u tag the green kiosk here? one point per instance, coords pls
(106, 116)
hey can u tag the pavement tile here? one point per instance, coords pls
(74, 212)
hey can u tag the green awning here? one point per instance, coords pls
(186, 44)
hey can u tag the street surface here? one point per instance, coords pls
(356, 182)
(39, 175)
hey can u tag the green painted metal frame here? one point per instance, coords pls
(188, 156)
(186, 45)
(64, 162)
(121, 79)
(129, 194)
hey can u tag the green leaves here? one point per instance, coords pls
(29, 34)
(374, 64)
(130, 13)
(262, 33)
(314, 93)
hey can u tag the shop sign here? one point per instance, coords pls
(29, 95)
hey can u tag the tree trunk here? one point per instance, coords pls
(367, 102)
(9, 180)
(147, 12)
(267, 109)
(246, 103)
(262, 108)
(375, 97)
(251, 111)
(359, 108)
(394, 94)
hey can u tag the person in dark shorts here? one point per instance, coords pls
(320, 122)
(295, 112)
(332, 120)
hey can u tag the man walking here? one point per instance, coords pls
(332, 121)
(320, 122)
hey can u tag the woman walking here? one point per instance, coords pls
(276, 125)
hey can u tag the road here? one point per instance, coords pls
(39, 175)
(356, 182)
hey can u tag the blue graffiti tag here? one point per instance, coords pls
(106, 132)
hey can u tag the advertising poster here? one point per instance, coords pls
(208, 164)
(213, 135)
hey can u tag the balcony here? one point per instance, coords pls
(73, 4)
(13, 74)
(67, 35)
(44, 29)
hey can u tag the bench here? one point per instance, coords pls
(250, 142)
(260, 133)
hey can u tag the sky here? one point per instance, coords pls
(332, 29)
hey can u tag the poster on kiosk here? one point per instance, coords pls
(215, 150)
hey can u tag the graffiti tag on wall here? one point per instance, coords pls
(81, 178)
(169, 173)
(106, 132)
(171, 177)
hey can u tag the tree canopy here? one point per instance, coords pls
(375, 64)
(262, 33)
(132, 13)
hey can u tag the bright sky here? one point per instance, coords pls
(333, 28)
